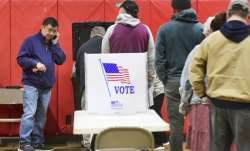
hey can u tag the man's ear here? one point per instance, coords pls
(42, 27)
(42, 30)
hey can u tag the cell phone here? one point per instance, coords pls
(54, 37)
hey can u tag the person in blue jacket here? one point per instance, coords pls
(37, 57)
(174, 40)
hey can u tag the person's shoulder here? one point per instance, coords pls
(214, 35)
(32, 38)
(167, 26)
(82, 48)
(147, 28)
(28, 40)
(111, 27)
(110, 30)
(211, 40)
(198, 27)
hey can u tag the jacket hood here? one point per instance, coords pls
(127, 19)
(187, 15)
(235, 31)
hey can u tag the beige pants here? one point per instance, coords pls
(86, 141)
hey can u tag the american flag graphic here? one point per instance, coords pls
(116, 73)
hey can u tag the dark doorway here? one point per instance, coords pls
(81, 33)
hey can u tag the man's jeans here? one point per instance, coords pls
(35, 105)
(176, 119)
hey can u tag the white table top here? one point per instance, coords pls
(90, 123)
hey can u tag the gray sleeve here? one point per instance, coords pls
(185, 89)
(185, 70)
(105, 40)
(151, 59)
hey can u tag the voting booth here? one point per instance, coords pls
(116, 83)
(116, 93)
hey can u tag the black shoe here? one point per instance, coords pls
(42, 147)
(25, 147)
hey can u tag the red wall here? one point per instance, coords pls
(5, 52)
(21, 18)
(210, 8)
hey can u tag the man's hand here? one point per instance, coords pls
(40, 67)
(55, 41)
(35, 70)
(205, 100)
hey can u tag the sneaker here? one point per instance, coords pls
(25, 147)
(85, 145)
(42, 147)
(166, 146)
(161, 148)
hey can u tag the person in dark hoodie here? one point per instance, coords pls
(130, 35)
(37, 58)
(174, 41)
(224, 58)
(93, 45)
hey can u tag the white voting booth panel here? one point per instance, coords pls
(116, 94)
(116, 83)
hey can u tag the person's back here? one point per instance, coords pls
(174, 41)
(228, 71)
(129, 35)
(135, 40)
(224, 58)
(226, 54)
(181, 35)
(197, 108)
(93, 45)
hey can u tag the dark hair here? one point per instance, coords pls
(50, 21)
(181, 4)
(130, 7)
(218, 21)
(238, 9)
(97, 31)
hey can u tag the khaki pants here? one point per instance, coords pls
(86, 141)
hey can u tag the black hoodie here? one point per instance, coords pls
(235, 31)
(174, 41)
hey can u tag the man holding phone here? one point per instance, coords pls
(37, 57)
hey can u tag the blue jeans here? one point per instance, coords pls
(35, 105)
